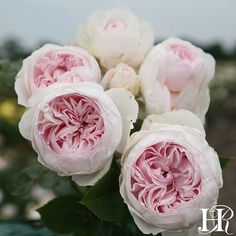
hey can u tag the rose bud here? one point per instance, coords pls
(169, 172)
(76, 128)
(122, 76)
(54, 64)
(175, 75)
(115, 36)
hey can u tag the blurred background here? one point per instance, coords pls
(26, 25)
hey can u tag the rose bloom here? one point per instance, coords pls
(115, 36)
(169, 172)
(51, 64)
(76, 128)
(122, 76)
(176, 75)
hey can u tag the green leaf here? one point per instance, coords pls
(104, 199)
(224, 161)
(38, 174)
(65, 214)
(94, 228)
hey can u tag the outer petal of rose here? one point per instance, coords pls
(157, 99)
(25, 124)
(91, 179)
(152, 74)
(21, 90)
(210, 67)
(195, 99)
(188, 232)
(214, 165)
(128, 108)
(147, 34)
(94, 20)
(144, 226)
(178, 117)
(106, 78)
(83, 39)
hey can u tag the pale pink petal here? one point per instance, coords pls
(128, 108)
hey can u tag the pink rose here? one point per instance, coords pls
(76, 128)
(176, 75)
(116, 36)
(55, 64)
(169, 172)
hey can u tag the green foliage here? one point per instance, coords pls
(100, 212)
(12, 49)
(224, 161)
(65, 215)
(104, 199)
(9, 130)
(137, 125)
(8, 72)
(39, 175)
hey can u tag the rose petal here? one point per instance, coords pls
(179, 117)
(20, 89)
(128, 108)
(25, 124)
(195, 99)
(89, 180)
(193, 231)
(145, 227)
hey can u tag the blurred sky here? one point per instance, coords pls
(204, 21)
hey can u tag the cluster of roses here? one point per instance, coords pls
(76, 119)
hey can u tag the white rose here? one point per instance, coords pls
(76, 128)
(115, 36)
(168, 173)
(175, 75)
(122, 76)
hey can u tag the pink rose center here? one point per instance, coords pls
(179, 72)
(163, 177)
(183, 52)
(70, 123)
(57, 67)
(114, 24)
